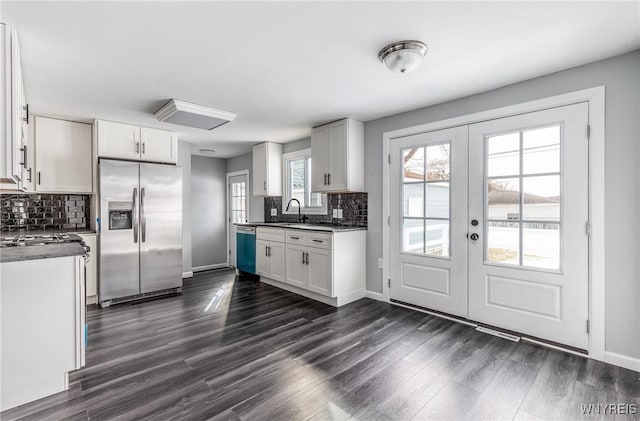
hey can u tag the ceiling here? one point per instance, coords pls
(285, 67)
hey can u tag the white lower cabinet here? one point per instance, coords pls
(325, 266)
(319, 277)
(270, 259)
(296, 267)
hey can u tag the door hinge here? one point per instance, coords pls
(588, 131)
(587, 228)
(588, 326)
(229, 252)
(388, 220)
(389, 158)
(389, 282)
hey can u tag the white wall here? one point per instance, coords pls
(208, 211)
(621, 77)
(184, 161)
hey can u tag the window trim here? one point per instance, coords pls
(320, 210)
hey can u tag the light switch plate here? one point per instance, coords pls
(339, 213)
(380, 264)
(335, 213)
(274, 212)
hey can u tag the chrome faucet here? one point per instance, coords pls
(302, 218)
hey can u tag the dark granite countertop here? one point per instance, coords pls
(307, 227)
(53, 231)
(14, 254)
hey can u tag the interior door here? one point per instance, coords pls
(237, 205)
(528, 198)
(119, 237)
(428, 220)
(160, 227)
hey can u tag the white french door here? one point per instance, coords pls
(237, 209)
(528, 270)
(517, 252)
(429, 210)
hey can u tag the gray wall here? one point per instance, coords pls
(256, 204)
(208, 211)
(620, 75)
(184, 161)
(297, 145)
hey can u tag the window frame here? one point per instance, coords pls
(317, 210)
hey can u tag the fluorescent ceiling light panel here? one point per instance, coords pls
(193, 115)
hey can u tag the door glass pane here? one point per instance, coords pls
(541, 198)
(413, 165)
(541, 245)
(438, 162)
(503, 198)
(541, 150)
(437, 200)
(413, 199)
(503, 242)
(437, 238)
(413, 235)
(503, 155)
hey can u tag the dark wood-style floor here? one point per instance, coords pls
(230, 350)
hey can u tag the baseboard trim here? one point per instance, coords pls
(374, 295)
(622, 360)
(187, 274)
(300, 291)
(209, 267)
(92, 299)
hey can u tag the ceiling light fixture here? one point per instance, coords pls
(403, 56)
(193, 115)
(206, 151)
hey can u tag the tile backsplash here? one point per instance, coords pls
(353, 205)
(44, 212)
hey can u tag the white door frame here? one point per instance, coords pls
(596, 99)
(226, 200)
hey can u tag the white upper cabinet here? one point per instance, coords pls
(118, 140)
(337, 156)
(64, 161)
(14, 111)
(267, 169)
(158, 145)
(126, 141)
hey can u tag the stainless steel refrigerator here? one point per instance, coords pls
(140, 230)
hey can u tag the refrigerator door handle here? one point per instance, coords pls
(135, 214)
(143, 217)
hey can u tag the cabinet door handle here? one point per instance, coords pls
(137, 147)
(317, 241)
(325, 179)
(294, 238)
(307, 258)
(143, 143)
(39, 178)
(29, 172)
(303, 261)
(329, 179)
(265, 186)
(26, 118)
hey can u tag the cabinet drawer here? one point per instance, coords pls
(320, 240)
(270, 234)
(295, 237)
